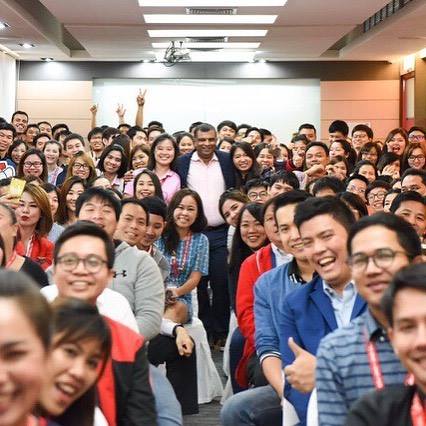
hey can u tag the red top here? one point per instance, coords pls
(41, 251)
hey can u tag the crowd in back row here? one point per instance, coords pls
(181, 206)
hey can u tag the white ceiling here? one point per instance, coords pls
(115, 29)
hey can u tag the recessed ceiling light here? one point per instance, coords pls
(47, 59)
(209, 19)
(27, 45)
(207, 45)
(211, 3)
(4, 25)
(207, 33)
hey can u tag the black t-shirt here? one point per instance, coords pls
(35, 271)
(388, 407)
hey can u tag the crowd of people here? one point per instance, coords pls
(301, 260)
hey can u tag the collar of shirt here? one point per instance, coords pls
(293, 272)
(348, 292)
(196, 157)
(374, 329)
(280, 255)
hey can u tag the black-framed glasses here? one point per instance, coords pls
(79, 166)
(382, 258)
(380, 196)
(70, 261)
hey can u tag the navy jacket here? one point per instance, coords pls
(307, 315)
(225, 161)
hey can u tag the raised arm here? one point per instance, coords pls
(140, 100)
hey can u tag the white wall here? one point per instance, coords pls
(7, 85)
(280, 105)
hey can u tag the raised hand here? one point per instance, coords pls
(140, 99)
(94, 109)
(120, 110)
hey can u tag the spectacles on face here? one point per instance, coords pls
(29, 164)
(79, 166)
(382, 258)
(420, 157)
(353, 188)
(380, 196)
(417, 138)
(253, 196)
(92, 263)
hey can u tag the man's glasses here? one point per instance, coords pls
(29, 164)
(92, 263)
(382, 258)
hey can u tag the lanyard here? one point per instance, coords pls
(418, 412)
(375, 367)
(11, 260)
(176, 270)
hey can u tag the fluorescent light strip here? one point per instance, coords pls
(210, 3)
(221, 56)
(209, 19)
(234, 45)
(207, 33)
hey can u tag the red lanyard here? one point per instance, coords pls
(11, 260)
(176, 270)
(418, 412)
(375, 367)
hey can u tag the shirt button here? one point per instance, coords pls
(381, 339)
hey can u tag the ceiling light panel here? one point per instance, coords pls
(211, 3)
(207, 33)
(220, 56)
(235, 45)
(209, 19)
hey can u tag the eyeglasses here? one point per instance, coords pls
(29, 164)
(417, 137)
(382, 258)
(253, 196)
(92, 263)
(416, 157)
(79, 166)
(353, 188)
(379, 196)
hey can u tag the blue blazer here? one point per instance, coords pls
(307, 315)
(225, 161)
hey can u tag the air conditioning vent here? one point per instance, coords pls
(211, 11)
(385, 12)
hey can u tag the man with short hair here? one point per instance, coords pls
(256, 190)
(137, 137)
(226, 129)
(379, 246)
(31, 132)
(376, 193)
(309, 131)
(327, 185)
(338, 129)
(417, 134)
(45, 127)
(72, 144)
(108, 135)
(7, 134)
(316, 160)
(411, 206)
(414, 180)
(328, 302)
(282, 182)
(82, 268)
(96, 145)
(404, 307)
(20, 122)
(361, 134)
(357, 184)
(210, 172)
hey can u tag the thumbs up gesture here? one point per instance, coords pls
(301, 373)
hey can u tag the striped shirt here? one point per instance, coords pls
(343, 372)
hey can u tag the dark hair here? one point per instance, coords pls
(418, 129)
(406, 196)
(339, 126)
(44, 122)
(225, 139)
(40, 155)
(62, 213)
(316, 206)
(254, 183)
(194, 125)
(405, 233)
(254, 171)
(136, 202)
(123, 164)
(363, 128)
(293, 197)
(341, 159)
(391, 135)
(300, 138)
(155, 205)
(85, 158)
(20, 288)
(131, 133)
(161, 138)
(344, 144)
(415, 172)
(316, 143)
(361, 163)
(356, 176)
(154, 129)
(124, 141)
(227, 123)
(377, 184)
(74, 321)
(9, 127)
(135, 150)
(411, 147)
(354, 201)
(155, 123)
(59, 126)
(110, 131)
(93, 132)
(155, 181)
(14, 145)
(84, 227)
(20, 113)
(2, 248)
(386, 159)
(105, 195)
(125, 126)
(285, 176)
(171, 236)
(180, 135)
(203, 128)
(72, 136)
(231, 194)
(261, 146)
(254, 129)
(307, 126)
(328, 182)
(411, 277)
(368, 147)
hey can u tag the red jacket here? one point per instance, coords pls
(41, 252)
(251, 269)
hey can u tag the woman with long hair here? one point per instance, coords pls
(113, 165)
(396, 141)
(366, 169)
(414, 157)
(81, 345)
(81, 165)
(389, 164)
(185, 142)
(24, 339)
(33, 163)
(371, 151)
(53, 193)
(185, 248)
(265, 157)
(162, 159)
(53, 152)
(245, 164)
(34, 223)
(16, 151)
(71, 189)
(147, 184)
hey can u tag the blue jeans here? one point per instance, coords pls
(168, 408)
(254, 407)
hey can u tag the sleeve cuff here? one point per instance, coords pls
(268, 355)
